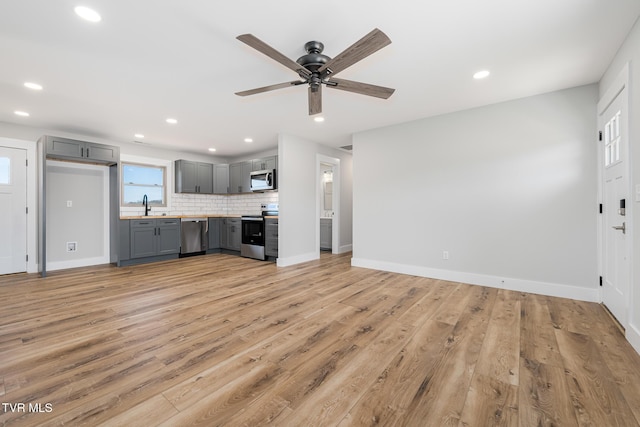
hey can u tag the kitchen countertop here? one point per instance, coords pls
(179, 216)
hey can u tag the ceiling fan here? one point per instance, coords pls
(316, 69)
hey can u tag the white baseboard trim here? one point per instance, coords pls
(632, 334)
(345, 248)
(84, 262)
(520, 285)
(297, 259)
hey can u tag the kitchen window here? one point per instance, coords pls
(140, 179)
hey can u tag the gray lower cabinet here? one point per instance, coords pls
(168, 236)
(325, 233)
(231, 234)
(271, 237)
(124, 246)
(215, 224)
(154, 237)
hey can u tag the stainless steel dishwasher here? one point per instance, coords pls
(194, 236)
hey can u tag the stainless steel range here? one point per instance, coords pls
(253, 232)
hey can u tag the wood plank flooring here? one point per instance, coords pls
(219, 340)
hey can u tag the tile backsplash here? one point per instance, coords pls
(210, 204)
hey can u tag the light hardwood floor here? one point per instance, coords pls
(223, 340)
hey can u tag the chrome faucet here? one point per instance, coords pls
(145, 203)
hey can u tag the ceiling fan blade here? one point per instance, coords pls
(262, 47)
(364, 47)
(315, 101)
(361, 88)
(269, 88)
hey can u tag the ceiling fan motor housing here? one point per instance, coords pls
(314, 59)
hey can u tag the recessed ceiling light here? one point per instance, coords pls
(87, 14)
(21, 113)
(139, 135)
(172, 121)
(481, 74)
(212, 149)
(34, 86)
(248, 140)
(318, 119)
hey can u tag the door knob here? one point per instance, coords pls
(622, 227)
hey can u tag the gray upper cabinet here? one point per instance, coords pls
(220, 179)
(240, 177)
(193, 177)
(71, 149)
(265, 163)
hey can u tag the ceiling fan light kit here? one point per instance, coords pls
(316, 69)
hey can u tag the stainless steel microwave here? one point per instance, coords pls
(263, 180)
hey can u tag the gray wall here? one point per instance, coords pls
(508, 190)
(85, 222)
(299, 224)
(630, 52)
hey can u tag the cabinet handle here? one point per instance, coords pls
(87, 151)
(158, 231)
(81, 151)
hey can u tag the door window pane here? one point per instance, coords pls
(612, 141)
(5, 170)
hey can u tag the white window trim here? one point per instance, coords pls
(156, 210)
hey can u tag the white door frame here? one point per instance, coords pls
(32, 203)
(335, 224)
(620, 84)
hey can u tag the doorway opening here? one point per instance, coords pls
(328, 204)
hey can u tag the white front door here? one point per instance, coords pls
(615, 198)
(13, 210)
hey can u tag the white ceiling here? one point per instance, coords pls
(152, 59)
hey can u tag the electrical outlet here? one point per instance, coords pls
(69, 203)
(445, 254)
(72, 246)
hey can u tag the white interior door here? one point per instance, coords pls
(13, 210)
(615, 198)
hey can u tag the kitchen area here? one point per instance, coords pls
(206, 207)
(164, 237)
(247, 225)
